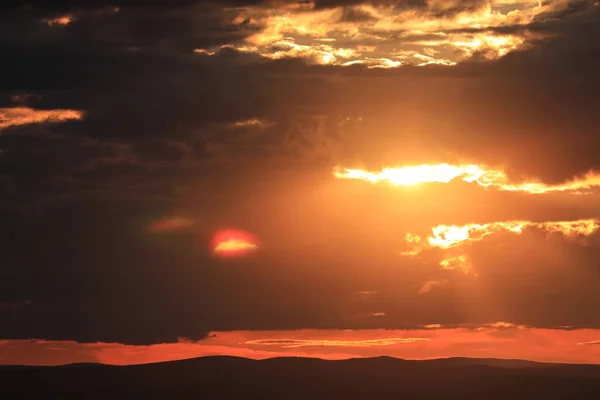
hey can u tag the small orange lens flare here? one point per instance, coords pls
(233, 243)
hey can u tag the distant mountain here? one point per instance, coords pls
(306, 379)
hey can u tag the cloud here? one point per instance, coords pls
(16, 116)
(366, 292)
(159, 138)
(445, 173)
(427, 286)
(278, 29)
(593, 342)
(502, 325)
(60, 21)
(451, 237)
(256, 122)
(295, 343)
(545, 345)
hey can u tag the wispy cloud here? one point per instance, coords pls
(593, 342)
(252, 122)
(429, 285)
(15, 116)
(63, 20)
(366, 292)
(450, 239)
(436, 341)
(295, 343)
(502, 325)
(60, 21)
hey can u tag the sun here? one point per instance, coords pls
(233, 243)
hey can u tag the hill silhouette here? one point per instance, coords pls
(221, 377)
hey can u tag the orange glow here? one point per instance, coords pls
(204, 52)
(436, 33)
(234, 242)
(459, 262)
(171, 224)
(429, 285)
(297, 343)
(253, 122)
(60, 21)
(16, 116)
(412, 175)
(446, 236)
(445, 173)
(433, 341)
(501, 325)
(449, 237)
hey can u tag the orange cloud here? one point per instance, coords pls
(64, 20)
(449, 237)
(296, 343)
(204, 52)
(256, 122)
(470, 173)
(494, 340)
(502, 325)
(60, 21)
(459, 262)
(16, 116)
(386, 36)
(427, 286)
(593, 342)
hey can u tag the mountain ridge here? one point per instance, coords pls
(378, 378)
(501, 362)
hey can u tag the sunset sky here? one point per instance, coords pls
(333, 179)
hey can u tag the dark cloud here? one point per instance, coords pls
(157, 139)
(41, 6)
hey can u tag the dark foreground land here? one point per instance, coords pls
(307, 379)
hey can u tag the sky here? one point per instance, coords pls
(333, 179)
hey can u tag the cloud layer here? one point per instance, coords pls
(388, 34)
(129, 137)
(500, 340)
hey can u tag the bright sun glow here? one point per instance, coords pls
(445, 173)
(233, 242)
